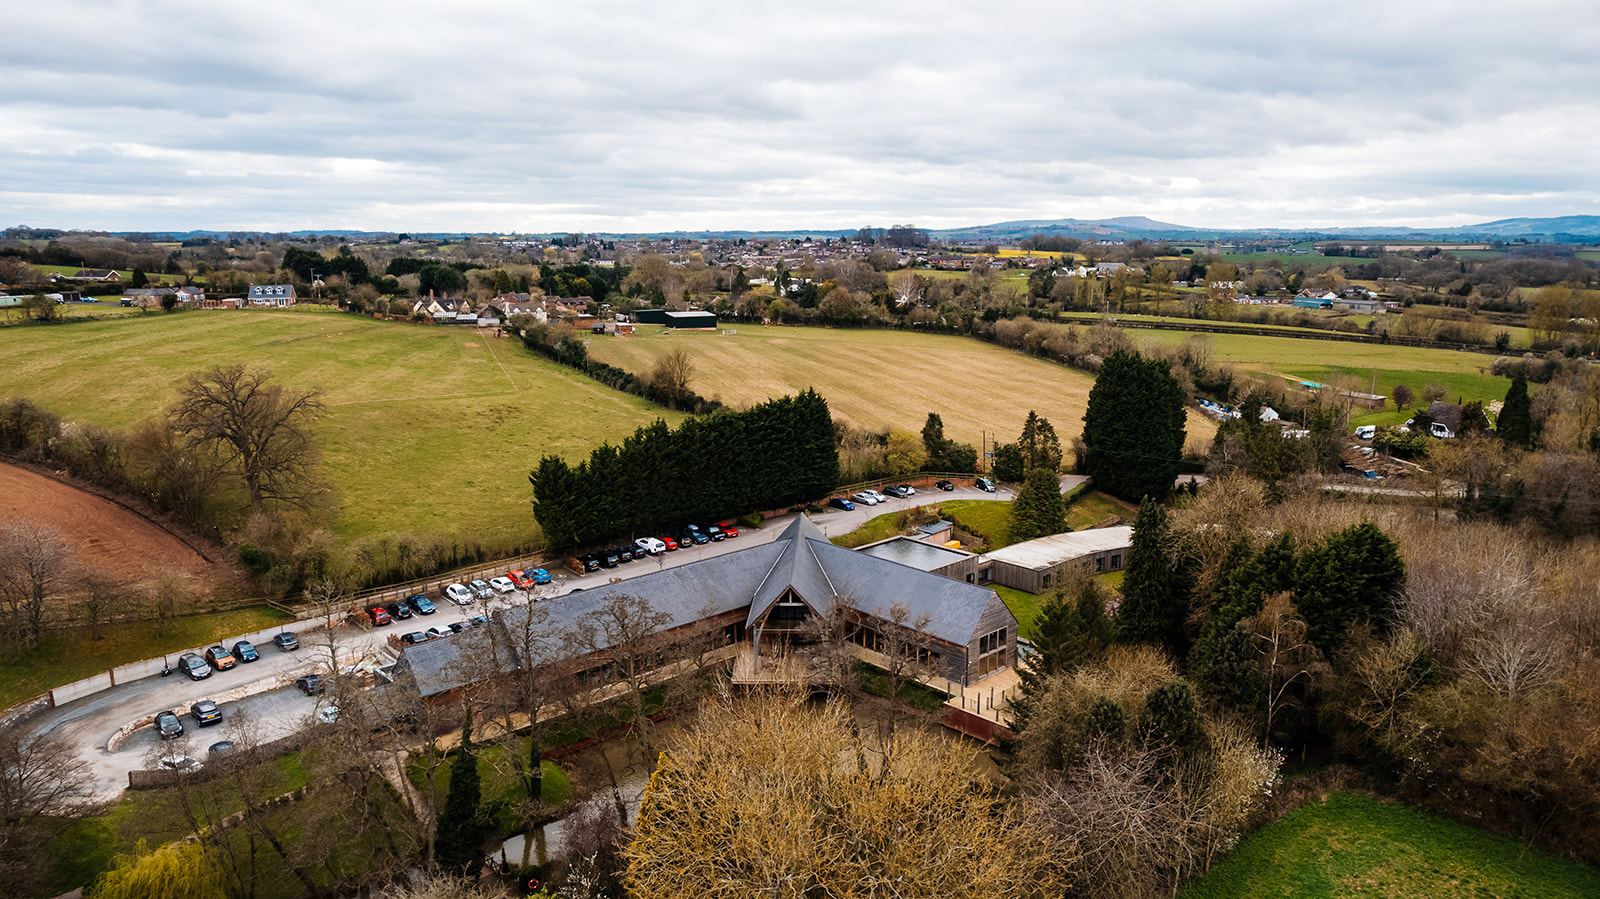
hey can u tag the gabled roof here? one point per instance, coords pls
(445, 663)
(1447, 414)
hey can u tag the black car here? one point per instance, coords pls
(413, 638)
(896, 492)
(693, 534)
(194, 666)
(220, 748)
(398, 610)
(422, 605)
(206, 713)
(311, 684)
(624, 553)
(984, 484)
(944, 485)
(245, 651)
(286, 642)
(590, 563)
(168, 725)
(715, 533)
(608, 558)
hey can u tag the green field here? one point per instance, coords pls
(1464, 375)
(1351, 845)
(430, 430)
(879, 379)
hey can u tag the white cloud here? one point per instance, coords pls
(626, 116)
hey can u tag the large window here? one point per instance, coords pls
(789, 613)
(991, 652)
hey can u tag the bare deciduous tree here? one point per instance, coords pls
(671, 374)
(42, 782)
(35, 564)
(258, 429)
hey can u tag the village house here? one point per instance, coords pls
(280, 295)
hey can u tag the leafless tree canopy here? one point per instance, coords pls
(42, 782)
(671, 375)
(255, 428)
(35, 563)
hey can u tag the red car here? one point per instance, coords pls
(523, 579)
(670, 542)
(379, 616)
(728, 529)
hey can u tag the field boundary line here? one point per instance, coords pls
(489, 344)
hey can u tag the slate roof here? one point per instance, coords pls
(801, 559)
(438, 666)
(271, 291)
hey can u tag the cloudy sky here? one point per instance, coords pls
(618, 116)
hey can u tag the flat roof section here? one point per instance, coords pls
(1057, 548)
(913, 553)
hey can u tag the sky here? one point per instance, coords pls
(637, 117)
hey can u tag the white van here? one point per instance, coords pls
(1366, 432)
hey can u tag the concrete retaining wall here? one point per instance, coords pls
(86, 687)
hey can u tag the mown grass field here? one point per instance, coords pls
(431, 430)
(879, 379)
(1465, 376)
(1349, 845)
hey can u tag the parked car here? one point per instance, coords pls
(590, 562)
(481, 590)
(206, 713)
(540, 576)
(399, 611)
(422, 605)
(651, 545)
(840, 502)
(944, 485)
(379, 616)
(458, 593)
(907, 490)
(715, 533)
(501, 585)
(194, 666)
(693, 534)
(413, 638)
(984, 484)
(168, 725)
(896, 492)
(220, 658)
(311, 684)
(522, 579)
(457, 627)
(437, 631)
(729, 529)
(864, 498)
(671, 544)
(220, 748)
(876, 495)
(286, 642)
(608, 558)
(625, 552)
(475, 621)
(245, 651)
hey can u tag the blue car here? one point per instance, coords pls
(422, 605)
(540, 576)
(840, 502)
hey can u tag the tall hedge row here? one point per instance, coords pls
(780, 453)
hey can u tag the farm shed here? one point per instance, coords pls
(1036, 565)
(691, 319)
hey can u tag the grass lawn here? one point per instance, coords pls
(500, 791)
(1094, 507)
(982, 517)
(1352, 845)
(429, 429)
(878, 378)
(1024, 605)
(65, 657)
(89, 846)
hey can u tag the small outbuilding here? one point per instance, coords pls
(1036, 566)
(954, 564)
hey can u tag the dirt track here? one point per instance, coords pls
(105, 536)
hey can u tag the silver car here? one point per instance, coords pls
(481, 589)
(458, 593)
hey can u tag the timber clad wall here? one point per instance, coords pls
(995, 617)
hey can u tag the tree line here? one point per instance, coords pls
(780, 453)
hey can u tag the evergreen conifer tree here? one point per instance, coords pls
(1515, 425)
(1039, 509)
(459, 843)
(1154, 605)
(1134, 428)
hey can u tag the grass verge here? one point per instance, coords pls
(69, 656)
